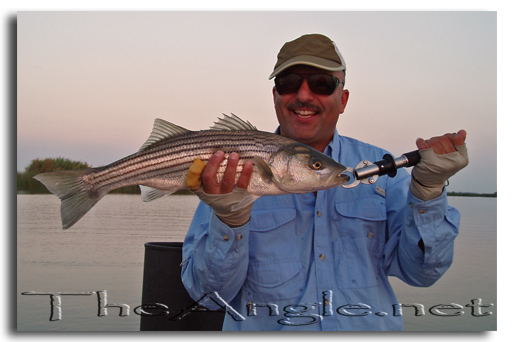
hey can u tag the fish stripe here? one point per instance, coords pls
(175, 155)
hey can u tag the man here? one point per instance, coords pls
(321, 261)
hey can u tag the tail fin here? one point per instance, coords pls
(76, 200)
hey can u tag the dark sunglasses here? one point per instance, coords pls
(320, 84)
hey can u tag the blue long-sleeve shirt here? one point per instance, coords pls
(321, 261)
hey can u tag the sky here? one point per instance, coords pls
(90, 84)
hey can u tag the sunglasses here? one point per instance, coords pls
(320, 84)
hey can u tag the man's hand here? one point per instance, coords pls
(445, 144)
(209, 178)
(223, 196)
(441, 158)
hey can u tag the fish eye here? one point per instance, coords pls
(317, 165)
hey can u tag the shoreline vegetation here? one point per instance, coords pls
(26, 184)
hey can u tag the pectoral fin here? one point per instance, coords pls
(263, 169)
(269, 175)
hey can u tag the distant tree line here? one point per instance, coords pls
(27, 184)
(471, 194)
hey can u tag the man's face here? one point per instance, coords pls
(307, 117)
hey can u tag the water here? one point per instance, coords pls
(471, 276)
(104, 251)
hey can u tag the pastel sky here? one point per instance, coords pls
(90, 84)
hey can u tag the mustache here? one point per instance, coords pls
(303, 105)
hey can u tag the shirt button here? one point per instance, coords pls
(411, 205)
(422, 211)
(318, 213)
(225, 237)
(239, 237)
(322, 257)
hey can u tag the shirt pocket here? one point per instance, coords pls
(275, 270)
(276, 280)
(362, 225)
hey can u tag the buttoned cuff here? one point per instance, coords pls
(225, 237)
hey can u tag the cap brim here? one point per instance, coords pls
(314, 61)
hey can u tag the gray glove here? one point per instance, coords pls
(429, 176)
(233, 209)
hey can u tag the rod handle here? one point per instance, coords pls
(388, 165)
(413, 158)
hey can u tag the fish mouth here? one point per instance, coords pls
(342, 176)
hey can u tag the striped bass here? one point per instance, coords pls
(281, 166)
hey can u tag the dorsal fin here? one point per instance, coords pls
(162, 129)
(232, 123)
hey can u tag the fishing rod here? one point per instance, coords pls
(367, 172)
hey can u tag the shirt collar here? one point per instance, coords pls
(332, 148)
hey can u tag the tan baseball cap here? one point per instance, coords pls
(315, 50)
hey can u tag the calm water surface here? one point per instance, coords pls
(105, 251)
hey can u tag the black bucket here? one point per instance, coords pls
(166, 305)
